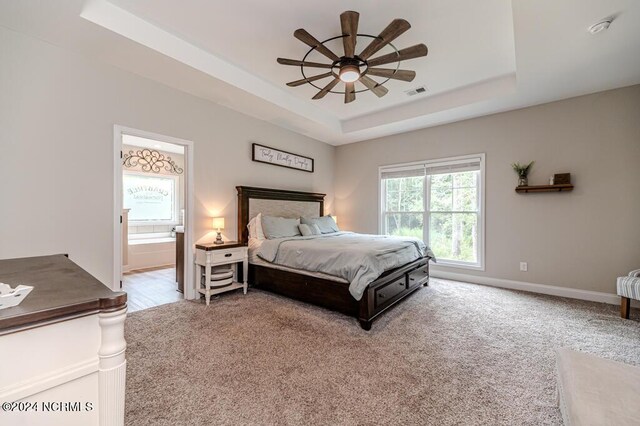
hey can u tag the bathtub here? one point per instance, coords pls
(150, 251)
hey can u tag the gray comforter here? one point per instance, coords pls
(358, 258)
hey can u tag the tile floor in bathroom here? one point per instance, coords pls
(147, 288)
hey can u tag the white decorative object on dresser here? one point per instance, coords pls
(212, 277)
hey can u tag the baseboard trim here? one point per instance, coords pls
(34, 385)
(552, 290)
(150, 268)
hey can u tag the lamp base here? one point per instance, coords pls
(218, 239)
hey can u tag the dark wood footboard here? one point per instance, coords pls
(391, 288)
(384, 293)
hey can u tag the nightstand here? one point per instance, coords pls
(212, 255)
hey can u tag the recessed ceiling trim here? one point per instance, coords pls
(468, 95)
(128, 25)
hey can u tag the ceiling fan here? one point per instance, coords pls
(352, 67)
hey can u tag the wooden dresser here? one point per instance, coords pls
(62, 350)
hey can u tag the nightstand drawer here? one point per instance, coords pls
(231, 255)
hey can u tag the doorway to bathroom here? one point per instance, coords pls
(154, 196)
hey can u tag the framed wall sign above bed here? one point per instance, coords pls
(277, 157)
(316, 285)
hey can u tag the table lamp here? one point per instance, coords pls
(218, 223)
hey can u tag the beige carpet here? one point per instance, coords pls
(452, 354)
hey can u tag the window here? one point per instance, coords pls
(153, 200)
(403, 195)
(439, 201)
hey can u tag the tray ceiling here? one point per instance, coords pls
(484, 57)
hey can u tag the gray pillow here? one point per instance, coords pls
(279, 227)
(307, 230)
(326, 223)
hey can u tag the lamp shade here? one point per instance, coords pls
(218, 223)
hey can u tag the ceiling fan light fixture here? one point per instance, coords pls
(349, 73)
(351, 69)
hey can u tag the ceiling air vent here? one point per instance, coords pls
(416, 91)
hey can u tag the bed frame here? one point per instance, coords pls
(382, 294)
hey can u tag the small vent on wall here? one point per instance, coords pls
(417, 91)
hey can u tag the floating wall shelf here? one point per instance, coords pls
(544, 188)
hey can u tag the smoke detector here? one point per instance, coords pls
(600, 26)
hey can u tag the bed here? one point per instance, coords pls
(319, 289)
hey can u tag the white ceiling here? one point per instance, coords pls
(484, 57)
(254, 34)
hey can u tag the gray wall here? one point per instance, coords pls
(57, 111)
(582, 239)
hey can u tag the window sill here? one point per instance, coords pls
(448, 265)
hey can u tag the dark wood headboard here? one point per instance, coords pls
(245, 193)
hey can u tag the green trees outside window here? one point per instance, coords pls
(443, 209)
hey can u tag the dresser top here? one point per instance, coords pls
(61, 290)
(225, 245)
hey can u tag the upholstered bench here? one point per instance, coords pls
(628, 288)
(597, 391)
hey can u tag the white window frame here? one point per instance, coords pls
(480, 264)
(176, 207)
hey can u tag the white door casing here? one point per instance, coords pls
(118, 132)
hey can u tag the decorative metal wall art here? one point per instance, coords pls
(150, 161)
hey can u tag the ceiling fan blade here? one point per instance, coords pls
(393, 30)
(404, 75)
(349, 24)
(380, 91)
(285, 61)
(326, 89)
(409, 53)
(309, 79)
(311, 41)
(349, 92)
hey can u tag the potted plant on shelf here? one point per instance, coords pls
(522, 171)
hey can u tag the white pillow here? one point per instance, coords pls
(259, 230)
(255, 228)
(251, 226)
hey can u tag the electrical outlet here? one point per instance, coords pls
(523, 266)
